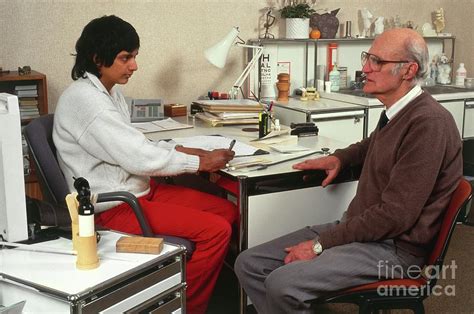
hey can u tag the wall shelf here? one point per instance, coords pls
(311, 57)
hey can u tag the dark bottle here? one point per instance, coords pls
(86, 209)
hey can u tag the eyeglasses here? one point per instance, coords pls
(375, 62)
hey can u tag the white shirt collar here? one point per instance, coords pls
(402, 102)
(97, 83)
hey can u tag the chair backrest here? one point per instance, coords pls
(459, 199)
(38, 134)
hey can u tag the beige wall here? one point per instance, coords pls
(174, 34)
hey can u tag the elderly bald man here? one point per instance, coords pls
(411, 164)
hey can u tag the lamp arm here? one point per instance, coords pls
(241, 79)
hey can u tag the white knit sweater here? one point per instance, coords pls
(95, 140)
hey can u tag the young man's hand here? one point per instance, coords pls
(303, 251)
(215, 160)
(331, 164)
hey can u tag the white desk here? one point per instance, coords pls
(276, 201)
(50, 283)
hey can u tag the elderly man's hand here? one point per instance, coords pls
(331, 164)
(215, 160)
(303, 251)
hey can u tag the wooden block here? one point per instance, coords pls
(175, 110)
(139, 245)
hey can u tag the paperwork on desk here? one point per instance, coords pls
(160, 125)
(16, 308)
(245, 155)
(210, 142)
(229, 111)
(284, 130)
(245, 162)
(215, 120)
(230, 105)
(288, 149)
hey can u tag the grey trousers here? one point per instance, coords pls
(274, 287)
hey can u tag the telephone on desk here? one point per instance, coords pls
(144, 110)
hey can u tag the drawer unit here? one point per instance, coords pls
(337, 120)
(457, 100)
(123, 283)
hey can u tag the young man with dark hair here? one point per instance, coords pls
(95, 139)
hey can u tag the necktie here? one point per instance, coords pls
(383, 120)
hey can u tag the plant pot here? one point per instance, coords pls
(297, 28)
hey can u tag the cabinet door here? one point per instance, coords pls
(297, 208)
(347, 127)
(456, 108)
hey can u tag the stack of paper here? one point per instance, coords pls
(160, 125)
(229, 111)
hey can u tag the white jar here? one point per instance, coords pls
(327, 84)
(334, 78)
(460, 75)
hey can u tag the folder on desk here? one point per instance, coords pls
(214, 120)
(230, 105)
(228, 111)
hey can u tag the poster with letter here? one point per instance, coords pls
(268, 71)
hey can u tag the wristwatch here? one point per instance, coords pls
(317, 247)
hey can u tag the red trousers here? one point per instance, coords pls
(203, 218)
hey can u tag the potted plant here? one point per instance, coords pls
(296, 14)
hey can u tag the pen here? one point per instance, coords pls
(270, 107)
(232, 143)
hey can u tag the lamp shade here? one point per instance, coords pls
(217, 54)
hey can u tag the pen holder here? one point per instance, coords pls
(86, 247)
(87, 257)
(263, 124)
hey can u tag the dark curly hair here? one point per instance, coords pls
(100, 42)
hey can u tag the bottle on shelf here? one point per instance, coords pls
(334, 78)
(460, 75)
(331, 56)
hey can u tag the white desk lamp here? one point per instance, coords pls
(217, 55)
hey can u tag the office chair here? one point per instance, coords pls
(408, 293)
(38, 134)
